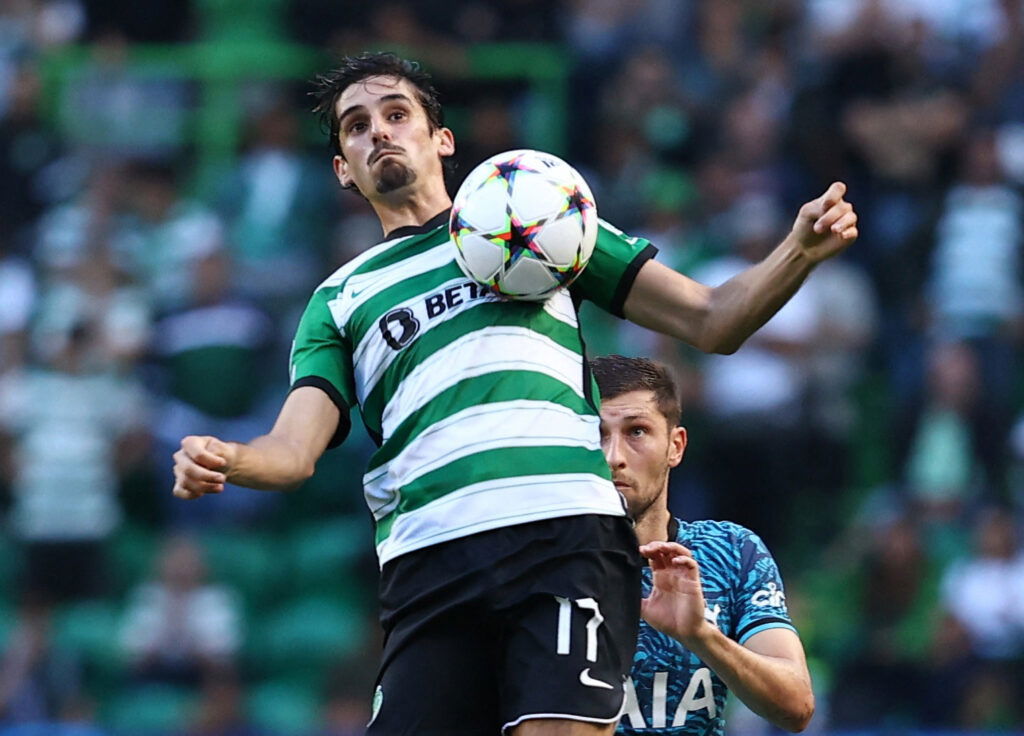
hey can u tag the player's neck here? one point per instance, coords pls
(411, 210)
(653, 525)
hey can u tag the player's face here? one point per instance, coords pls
(640, 448)
(386, 139)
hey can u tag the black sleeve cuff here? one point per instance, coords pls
(760, 622)
(344, 422)
(618, 302)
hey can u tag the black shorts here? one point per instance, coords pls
(537, 620)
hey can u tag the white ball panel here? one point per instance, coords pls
(486, 208)
(534, 196)
(560, 240)
(480, 258)
(528, 278)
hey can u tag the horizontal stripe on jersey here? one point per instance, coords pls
(498, 426)
(461, 389)
(493, 504)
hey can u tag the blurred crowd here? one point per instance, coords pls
(872, 432)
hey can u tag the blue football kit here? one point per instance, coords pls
(669, 688)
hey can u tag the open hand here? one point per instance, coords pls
(676, 604)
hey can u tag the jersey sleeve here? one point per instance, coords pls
(613, 267)
(321, 357)
(760, 596)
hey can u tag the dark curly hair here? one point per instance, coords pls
(330, 86)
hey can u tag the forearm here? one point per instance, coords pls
(270, 463)
(775, 688)
(740, 306)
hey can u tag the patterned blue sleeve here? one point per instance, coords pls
(761, 601)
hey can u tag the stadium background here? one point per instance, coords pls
(166, 207)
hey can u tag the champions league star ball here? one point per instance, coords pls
(524, 224)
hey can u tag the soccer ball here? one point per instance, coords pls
(524, 224)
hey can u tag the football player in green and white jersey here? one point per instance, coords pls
(510, 576)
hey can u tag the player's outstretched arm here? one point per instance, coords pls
(768, 673)
(720, 319)
(278, 461)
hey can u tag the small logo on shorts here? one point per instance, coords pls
(378, 700)
(589, 681)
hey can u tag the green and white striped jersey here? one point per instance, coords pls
(484, 410)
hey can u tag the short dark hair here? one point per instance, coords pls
(617, 375)
(353, 69)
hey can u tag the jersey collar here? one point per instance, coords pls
(439, 219)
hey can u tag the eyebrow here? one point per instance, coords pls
(637, 417)
(385, 98)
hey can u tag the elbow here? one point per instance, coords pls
(798, 717)
(719, 344)
(304, 473)
(716, 337)
(301, 474)
(726, 347)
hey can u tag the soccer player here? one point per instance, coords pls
(510, 576)
(715, 615)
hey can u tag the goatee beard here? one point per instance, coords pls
(394, 175)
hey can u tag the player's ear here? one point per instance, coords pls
(445, 142)
(676, 446)
(341, 172)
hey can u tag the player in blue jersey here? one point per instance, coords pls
(714, 612)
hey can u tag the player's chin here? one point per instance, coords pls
(393, 175)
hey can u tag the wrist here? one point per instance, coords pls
(698, 638)
(795, 252)
(230, 453)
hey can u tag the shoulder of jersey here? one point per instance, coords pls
(339, 277)
(705, 528)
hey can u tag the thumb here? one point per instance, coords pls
(216, 446)
(209, 452)
(224, 451)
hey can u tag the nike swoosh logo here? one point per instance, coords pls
(589, 681)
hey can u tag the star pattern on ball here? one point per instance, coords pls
(521, 237)
(508, 169)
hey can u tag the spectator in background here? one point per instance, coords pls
(73, 432)
(492, 129)
(28, 27)
(72, 230)
(892, 621)
(996, 85)
(165, 234)
(984, 594)
(628, 148)
(17, 295)
(29, 155)
(216, 334)
(221, 711)
(754, 397)
(942, 472)
(984, 591)
(119, 111)
(848, 324)
(974, 293)
(40, 682)
(93, 292)
(179, 628)
(276, 206)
